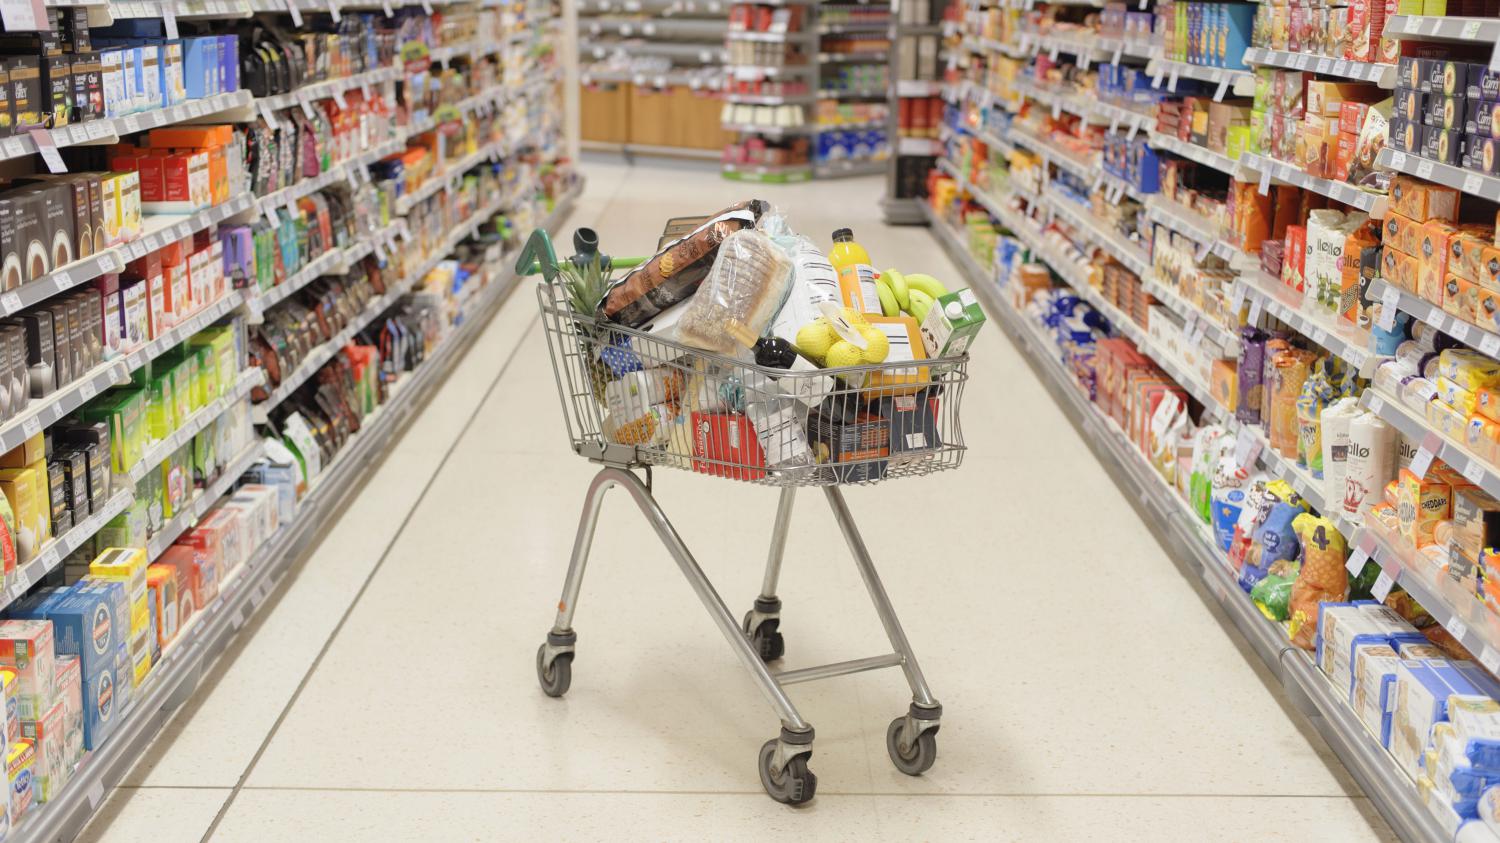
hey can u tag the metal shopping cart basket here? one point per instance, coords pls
(633, 402)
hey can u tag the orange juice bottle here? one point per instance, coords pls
(856, 275)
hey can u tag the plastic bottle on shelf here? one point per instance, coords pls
(856, 274)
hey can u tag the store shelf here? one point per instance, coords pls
(1083, 169)
(1179, 219)
(1391, 792)
(852, 94)
(195, 507)
(1468, 181)
(110, 130)
(326, 89)
(182, 9)
(1197, 320)
(686, 52)
(1484, 339)
(658, 28)
(1083, 47)
(771, 37)
(772, 99)
(158, 452)
(242, 592)
(918, 146)
(697, 79)
(449, 179)
(1340, 338)
(51, 554)
(1239, 82)
(918, 88)
(1119, 116)
(1058, 102)
(1383, 75)
(287, 197)
(843, 169)
(1118, 48)
(157, 230)
(868, 57)
(850, 127)
(858, 27)
(771, 175)
(1484, 31)
(1415, 426)
(1374, 204)
(768, 131)
(751, 72)
(1193, 152)
(1134, 257)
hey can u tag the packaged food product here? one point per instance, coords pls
(743, 290)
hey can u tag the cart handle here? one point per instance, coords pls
(539, 258)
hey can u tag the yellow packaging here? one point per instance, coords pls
(906, 345)
(858, 289)
(1401, 233)
(127, 566)
(19, 486)
(1422, 200)
(1482, 435)
(1399, 268)
(1469, 369)
(1460, 297)
(1455, 396)
(1424, 502)
(1487, 403)
(1446, 420)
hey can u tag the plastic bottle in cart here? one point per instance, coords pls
(856, 275)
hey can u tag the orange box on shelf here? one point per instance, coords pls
(1489, 267)
(1421, 200)
(1223, 380)
(1466, 255)
(1399, 268)
(1402, 233)
(1486, 308)
(1460, 297)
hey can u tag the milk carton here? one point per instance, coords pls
(951, 324)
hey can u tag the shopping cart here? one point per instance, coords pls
(632, 401)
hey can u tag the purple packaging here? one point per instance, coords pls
(1479, 118)
(1482, 83)
(239, 254)
(1252, 361)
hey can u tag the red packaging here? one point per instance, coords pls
(726, 438)
(1295, 260)
(1351, 116)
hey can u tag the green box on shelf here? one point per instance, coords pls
(161, 408)
(222, 357)
(124, 410)
(128, 529)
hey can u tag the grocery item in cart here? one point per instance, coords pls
(743, 291)
(675, 272)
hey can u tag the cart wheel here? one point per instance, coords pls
(765, 638)
(918, 755)
(794, 785)
(556, 677)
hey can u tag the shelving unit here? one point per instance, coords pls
(176, 674)
(1053, 226)
(913, 89)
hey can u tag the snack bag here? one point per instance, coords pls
(1227, 499)
(1291, 371)
(1322, 578)
(1257, 505)
(1273, 541)
(1272, 594)
(675, 272)
(1317, 392)
(1208, 447)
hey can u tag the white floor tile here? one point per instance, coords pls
(154, 815)
(259, 815)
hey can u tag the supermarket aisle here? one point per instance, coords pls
(389, 694)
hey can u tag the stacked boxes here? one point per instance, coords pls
(1445, 110)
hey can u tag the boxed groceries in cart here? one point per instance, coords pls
(743, 349)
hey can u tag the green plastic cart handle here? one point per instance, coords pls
(538, 257)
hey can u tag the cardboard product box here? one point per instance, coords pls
(1482, 154)
(94, 440)
(182, 560)
(19, 486)
(1442, 145)
(26, 94)
(69, 686)
(7, 112)
(26, 648)
(20, 762)
(162, 583)
(1409, 104)
(1445, 112)
(858, 443)
(1421, 201)
(50, 769)
(104, 695)
(57, 87)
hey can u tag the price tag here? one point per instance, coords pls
(1489, 658)
(1357, 560)
(169, 19)
(1434, 317)
(1265, 181)
(1391, 297)
(1474, 471)
(1398, 160)
(427, 6)
(1324, 65)
(1495, 58)
(1302, 61)
(1413, 23)
(10, 302)
(1424, 170)
(1156, 77)
(385, 6)
(306, 107)
(97, 129)
(48, 148)
(1219, 91)
(1114, 58)
(88, 391)
(1056, 109)
(296, 13)
(1457, 628)
(1255, 311)
(333, 11)
(1053, 56)
(1320, 337)
(1472, 183)
(23, 579)
(1172, 81)
(1459, 330)
(1376, 404)
(1341, 68)
(31, 426)
(1382, 587)
(1422, 459)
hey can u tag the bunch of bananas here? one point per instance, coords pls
(911, 294)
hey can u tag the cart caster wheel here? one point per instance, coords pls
(556, 677)
(794, 784)
(911, 757)
(765, 638)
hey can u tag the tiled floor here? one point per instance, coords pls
(388, 692)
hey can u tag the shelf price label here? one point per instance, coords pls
(1361, 554)
(1489, 658)
(1474, 471)
(1247, 446)
(1422, 459)
(1382, 587)
(47, 146)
